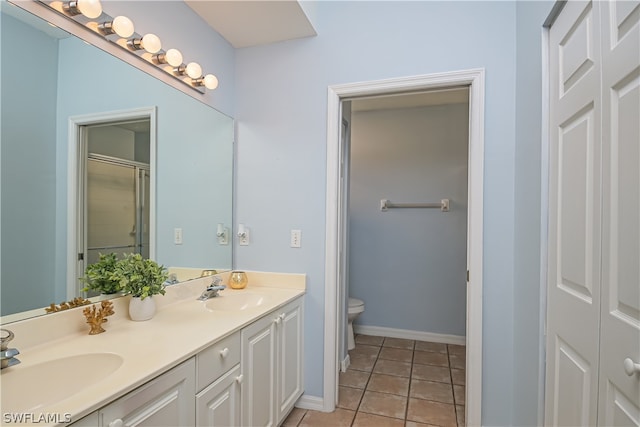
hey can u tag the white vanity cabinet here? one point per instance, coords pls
(252, 377)
(272, 365)
(168, 400)
(218, 380)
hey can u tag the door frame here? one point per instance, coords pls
(544, 203)
(74, 152)
(473, 78)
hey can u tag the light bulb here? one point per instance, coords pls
(194, 70)
(151, 43)
(90, 8)
(122, 26)
(173, 57)
(210, 81)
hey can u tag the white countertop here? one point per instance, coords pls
(181, 328)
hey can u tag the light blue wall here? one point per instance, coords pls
(28, 145)
(529, 18)
(281, 109)
(181, 150)
(409, 265)
(194, 152)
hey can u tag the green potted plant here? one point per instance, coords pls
(142, 278)
(100, 276)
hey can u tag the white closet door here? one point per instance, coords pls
(574, 218)
(620, 321)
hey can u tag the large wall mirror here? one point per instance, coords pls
(52, 81)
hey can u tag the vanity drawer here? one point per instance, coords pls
(217, 359)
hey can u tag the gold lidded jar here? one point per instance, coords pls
(238, 280)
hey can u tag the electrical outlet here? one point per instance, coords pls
(296, 237)
(177, 236)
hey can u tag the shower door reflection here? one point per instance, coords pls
(117, 207)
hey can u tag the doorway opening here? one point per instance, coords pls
(337, 233)
(114, 196)
(111, 196)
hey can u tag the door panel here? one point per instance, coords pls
(219, 403)
(620, 314)
(620, 411)
(290, 357)
(623, 16)
(576, 50)
(572, 384)
(258, 363)
(574, 218)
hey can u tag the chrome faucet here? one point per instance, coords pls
(172, 279)
(7, 354)
(213, 289)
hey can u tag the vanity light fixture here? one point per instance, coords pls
(209, 81)
(89, 8)
(172, 57)
(190, 74)
(149, 42)
(121, 25)
(193, 70)
(222, 233)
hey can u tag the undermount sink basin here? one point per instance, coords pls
(235, 301)
(28, 388)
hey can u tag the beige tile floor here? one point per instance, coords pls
(396, 382)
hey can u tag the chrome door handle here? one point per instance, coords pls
(630, 367)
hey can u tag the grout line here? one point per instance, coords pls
(455, 403)
(302, 417)
(364, 390)
(406, 408)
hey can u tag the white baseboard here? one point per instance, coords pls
(344, 364)
(409, 334)
(310, 402)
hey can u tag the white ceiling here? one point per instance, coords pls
(412, 100)
(245, 23)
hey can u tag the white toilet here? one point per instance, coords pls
(356, 307)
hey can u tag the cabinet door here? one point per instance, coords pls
(168, 400)
(289, 357)
(258, 366)
(219, 404)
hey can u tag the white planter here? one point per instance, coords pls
(142, 309)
